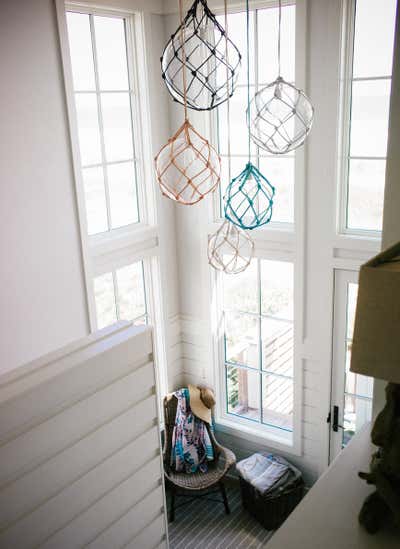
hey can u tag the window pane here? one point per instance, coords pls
(237, 33)
(80, 46)
(268, 44)
(241, 290)
(357, 412)
(277, 402)
(95, 200)
(280, 173)
(241, 339)
(358, 388)
(88, 128)
(111, 53)
(373, 39)
(277, 346)
(356, 384)
(222, 128)
(369, 118)
(225, 179)
(243, 388)
(352, 291)
(238, 125)
(104, 294)
(131, 294)
(365, 194)
(117, 126)
(277, 289)
(123, 196)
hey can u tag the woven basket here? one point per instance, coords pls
(273, 509)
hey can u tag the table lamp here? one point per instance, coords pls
(376, 353)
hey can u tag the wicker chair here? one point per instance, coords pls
(194, 484)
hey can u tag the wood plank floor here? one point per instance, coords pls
(203, 524)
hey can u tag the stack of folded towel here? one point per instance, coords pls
(267, 472)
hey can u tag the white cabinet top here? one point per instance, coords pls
(327, 518)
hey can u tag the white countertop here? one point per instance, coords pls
(327, 518)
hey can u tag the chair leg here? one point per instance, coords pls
(224, 497)
(172, 506)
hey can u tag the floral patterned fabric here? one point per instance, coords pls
(191, 444)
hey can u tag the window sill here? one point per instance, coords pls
(263, 437)
(121, 238)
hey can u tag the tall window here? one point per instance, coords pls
(103, 90)
(258, 336)
(257, 310)
(232, 132)
(369, 55)
(107, 110)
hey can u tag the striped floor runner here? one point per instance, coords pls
(203, 524)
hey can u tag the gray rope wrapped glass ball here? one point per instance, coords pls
(282, 116)
(212, 60)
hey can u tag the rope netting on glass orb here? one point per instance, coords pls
(249, 199)
(230, 249)
(187, 167)
(282, 114)
(212, 61)
(249, 196)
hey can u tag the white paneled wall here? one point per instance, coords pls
(80, 457)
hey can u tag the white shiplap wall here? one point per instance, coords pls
(80, 458)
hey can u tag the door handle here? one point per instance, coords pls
(335, 423)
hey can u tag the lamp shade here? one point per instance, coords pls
(376, 341)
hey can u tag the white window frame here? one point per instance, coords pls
(346, 82)
(242, 427)
(116, 248)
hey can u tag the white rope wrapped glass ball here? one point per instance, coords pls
(187, 167)
(230, 249)
(282, 116)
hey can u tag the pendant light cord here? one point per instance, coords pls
(227, 78)
(279, 37)
(183, 60)
(248, 76)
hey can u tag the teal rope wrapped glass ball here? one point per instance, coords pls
(249, 199)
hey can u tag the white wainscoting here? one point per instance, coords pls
(80, 462)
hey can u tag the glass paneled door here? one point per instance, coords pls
(351, 400)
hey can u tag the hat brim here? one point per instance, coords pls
(197, 406)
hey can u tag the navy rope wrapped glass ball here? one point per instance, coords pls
(212, 60)
(249, 199)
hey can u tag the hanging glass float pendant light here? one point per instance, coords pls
(249, 196)
(282, 114)
(212, 72)
(230, 249)
(249, 199)
(187, 167)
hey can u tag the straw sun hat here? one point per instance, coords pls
(201, 402)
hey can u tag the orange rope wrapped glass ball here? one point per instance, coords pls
(187, 167)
